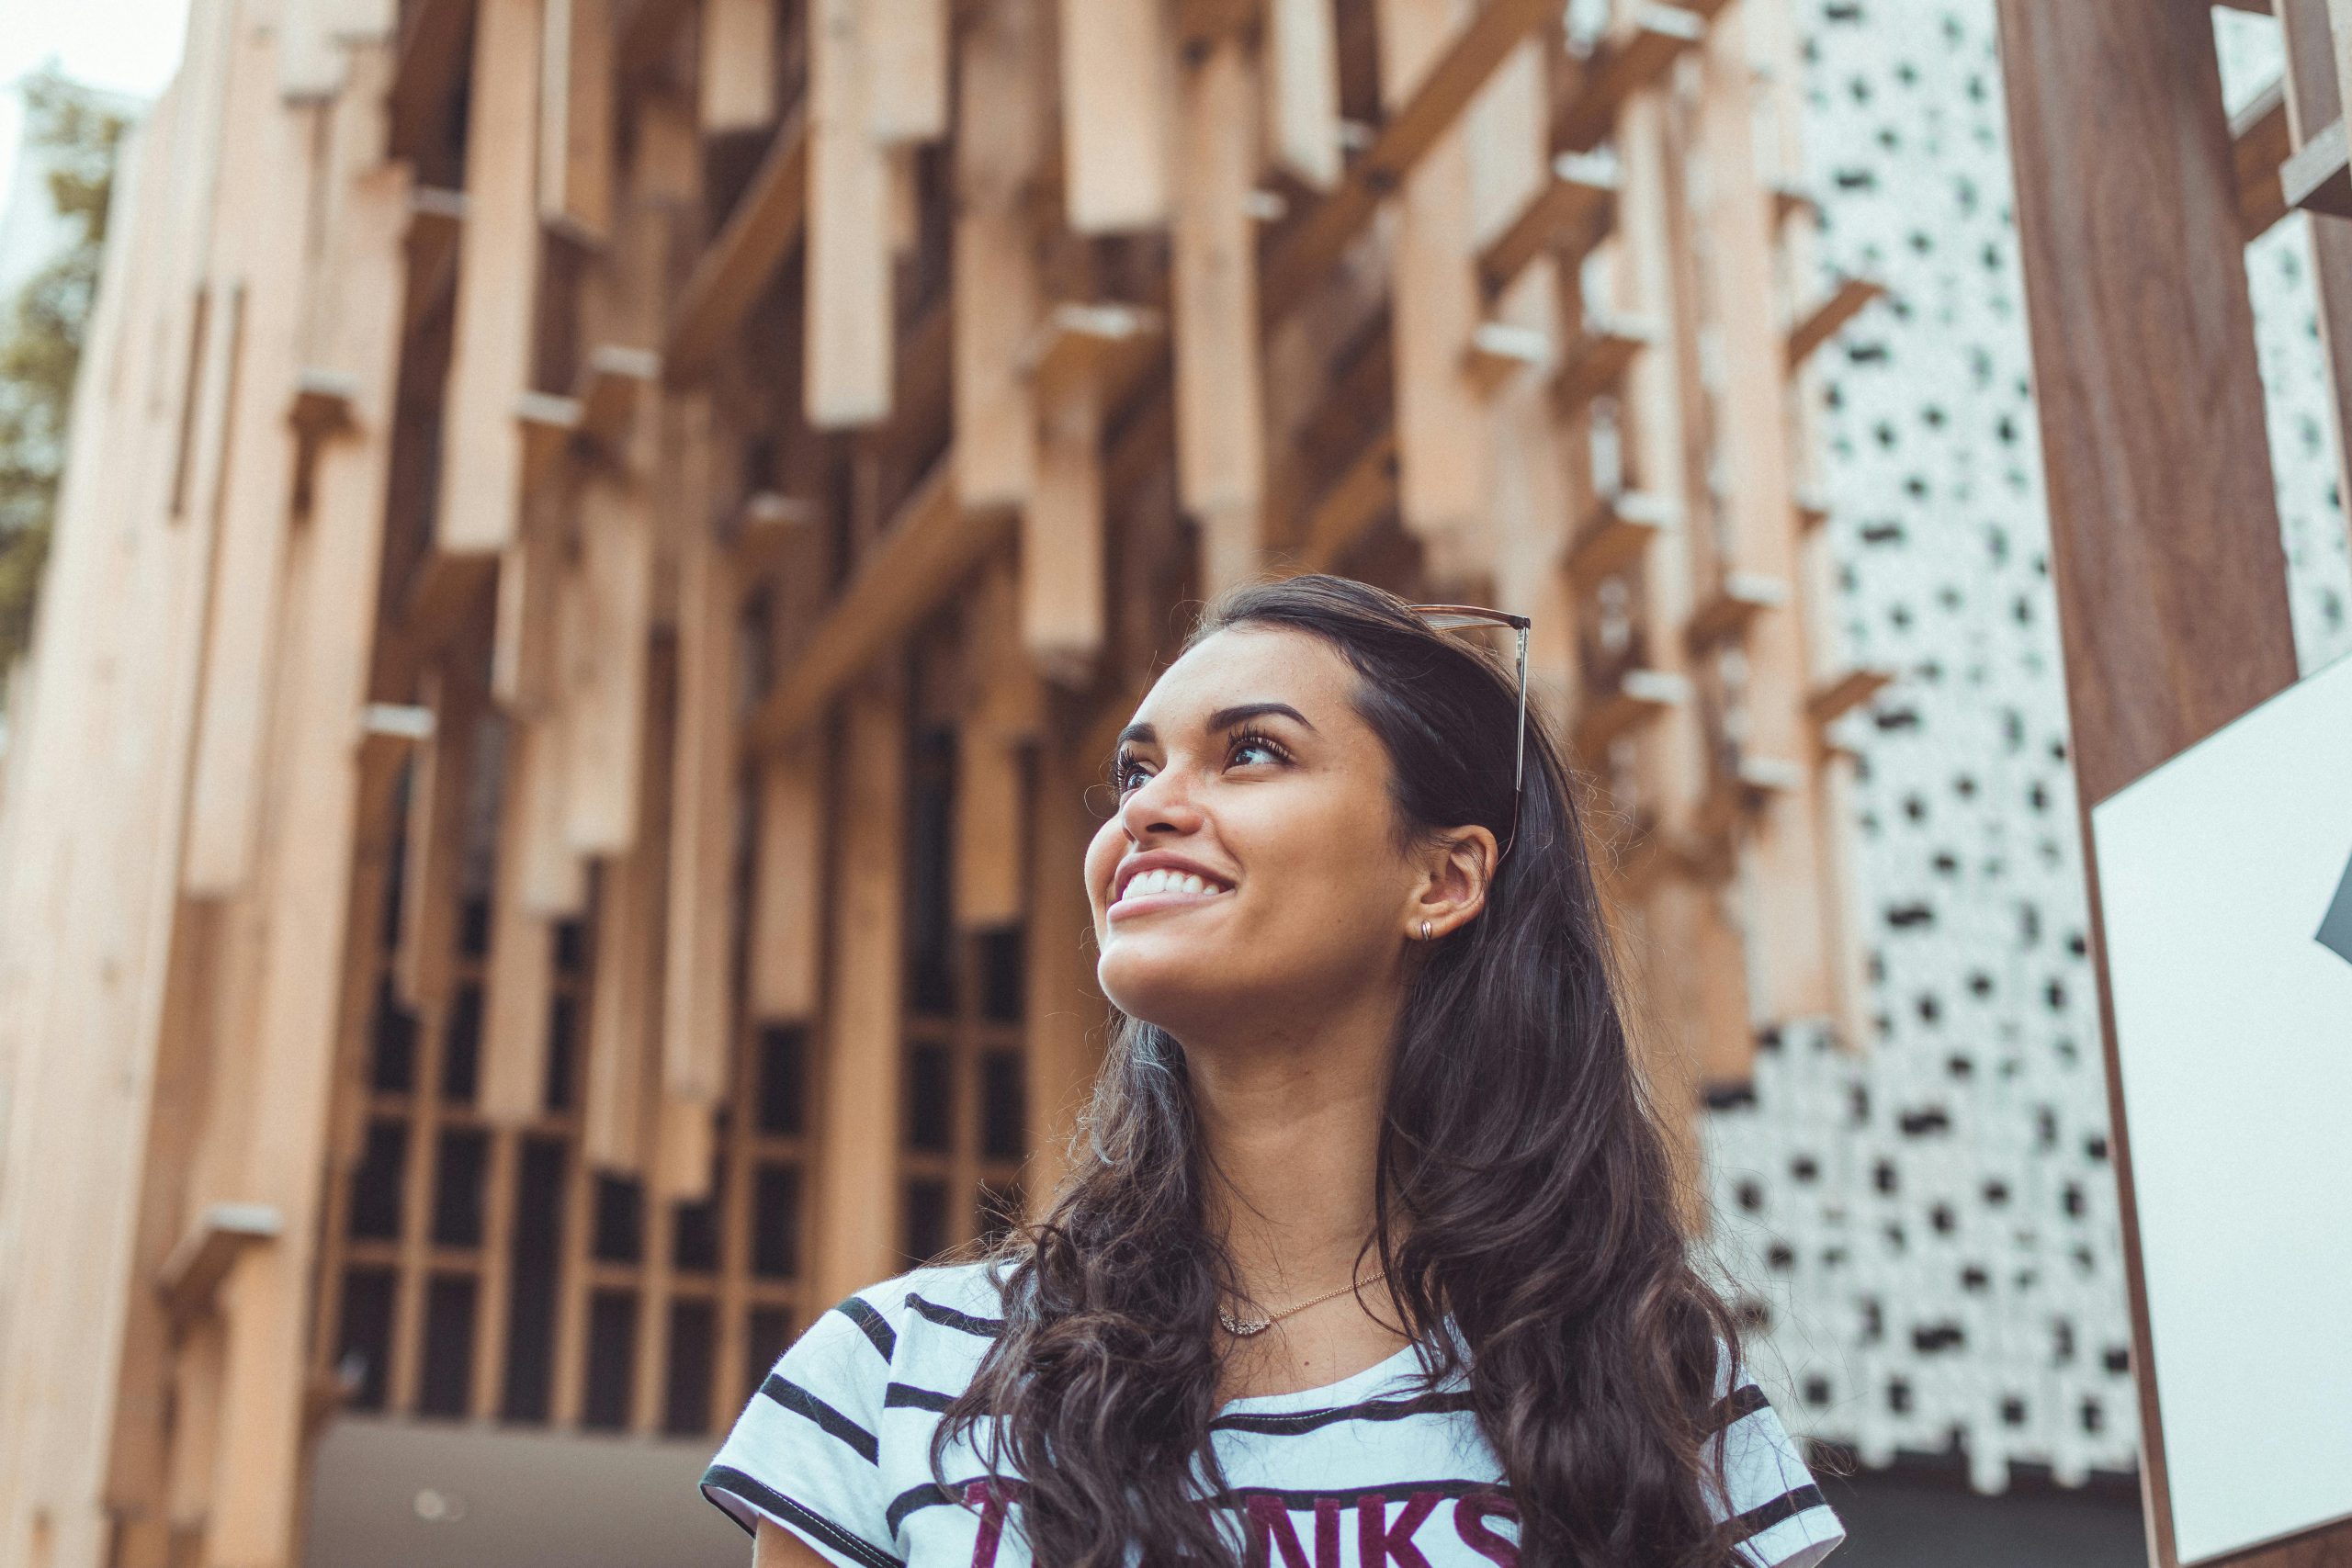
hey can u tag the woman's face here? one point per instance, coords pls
(1251, 867)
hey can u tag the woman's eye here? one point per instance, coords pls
(1127, 774)
(1264, 749)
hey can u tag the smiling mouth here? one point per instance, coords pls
(1152, 890)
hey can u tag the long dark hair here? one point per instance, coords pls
(1525, 1191)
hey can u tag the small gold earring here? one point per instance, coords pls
(1425, 931)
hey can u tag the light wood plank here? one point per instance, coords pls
(738, 74)
(1303, 90)
(907, 85)
(788, 887)
(850, 329)
(1000, 148)
(1116, 115)
(576, 117)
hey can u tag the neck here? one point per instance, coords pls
(1289, 1118)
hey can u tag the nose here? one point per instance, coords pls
(1161, 806)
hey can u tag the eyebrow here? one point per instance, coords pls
(1223, 719)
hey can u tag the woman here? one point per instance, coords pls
(1370, 1254)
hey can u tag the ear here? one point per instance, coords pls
(1455, 870)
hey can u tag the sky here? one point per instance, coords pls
(129, 46)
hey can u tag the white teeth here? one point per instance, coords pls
(1143, 884)
(1195, 884)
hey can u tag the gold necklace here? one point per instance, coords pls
(1243, 1327)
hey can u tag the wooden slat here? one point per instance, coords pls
(602, 683)
(576, 117)
(1817, 326)
(1832, 699)
(1065, 1013)
(1221, 403)
(498, 267)
(929, 547)
(759, 234)
(736, 79)
(1301, 64)
(621, 1081)
(909, 54)
(2316, 177)
(1627, 62)
(1621, 529)
(788, 886)
(2259, 143)
(521, 972)
(849, 328)
(1637, 697)
(432, 57)
(1116, 115)
(1600, 358)
(999, 148)
(1064, 591)
(858, 1223)
(1569, 211)
(440, 786)
(696, 1010)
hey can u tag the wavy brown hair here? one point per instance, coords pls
(1525, 1191)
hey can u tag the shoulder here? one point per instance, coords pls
(915, 1319)
(1777, 1511)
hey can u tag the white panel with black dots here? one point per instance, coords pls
(1927, 1228)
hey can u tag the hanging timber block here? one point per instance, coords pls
(435, 216)
(929, 548)
(1116, 115)
(191, 1276)
(788, 886)
(622, 1082)
(759, 234)
(648, 32)
(857, 1222)
(848, 362)
(1064, 573)
(555, 876)
(1220, 398)
(432, 57)
(1840, 695)
(1743, 596)
(1622, 64)
(1301, 66)
(520, 972)
(522, 661)
(440, 783)
(321, 405)
(736, 79)
(1344, 514)
(1067, 1014)
(576, 118)
(681, 1170)
(2316, 178)
(1638, 697)
(1812, 507)
(998, 151)
(498, 271)
(611, 383)
(1825, 321)
(2260, 141)
(1568, 216)
(766, 530)
(695, 1011)
(907, 88)
(1793, 199)
(988, 838)
(1500, 353)
(1088, 344)
(549, 424)
(1619, 533)
(1311, 247)
(1600, 358)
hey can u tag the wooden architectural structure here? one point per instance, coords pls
(606, 541)
(2136, 195)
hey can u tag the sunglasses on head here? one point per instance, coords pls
(1469, 617)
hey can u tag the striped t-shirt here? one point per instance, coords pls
(1365, 1473)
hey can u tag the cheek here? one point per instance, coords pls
(1102, 853)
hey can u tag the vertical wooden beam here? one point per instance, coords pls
(1063, 611)
(1004, 715)
(621, 1084)
(907, 81)
(1441, 417)
(856, 1167)
(1065, 1013)
(2163, 524)
(702, 800)
(1220, 401)
(738, 75)
(788, 886)
(1116, 63)
(498, 267)
(602, 695)
(517, 986)
(440, 784)
(325, 685)
(1000, 147)
(849, 324)
(576, 117)
(1303, 89)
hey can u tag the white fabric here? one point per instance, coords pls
(1366, 1473)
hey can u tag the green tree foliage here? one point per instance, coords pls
(40, 337)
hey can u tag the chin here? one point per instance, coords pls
(1162, 988)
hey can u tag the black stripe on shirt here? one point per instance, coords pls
(907, 1396)
(948, 1317)
(930, 1495)
(1299, 1423)
(914, 1497)
(765, 1499)
(875, 1326)
(1744, 1400)
(800, 1402)
(1787, 1505)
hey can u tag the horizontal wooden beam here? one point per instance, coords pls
(1573, 208)
(1743, 596)
(610, 388)
(434, 218)
(1107, 343)
(1639, 696)
(756, 238)
(433, 60)
(1825, 321)
(1307, 251)
(931, 548)
(1599, 360)
(1620, 528)
(191, 1275)
(1622, 65)
(549, 424)
(1832, 700)
(2315, 178)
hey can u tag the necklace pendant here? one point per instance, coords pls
(1243, 1327)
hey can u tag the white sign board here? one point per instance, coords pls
(2225, 878)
